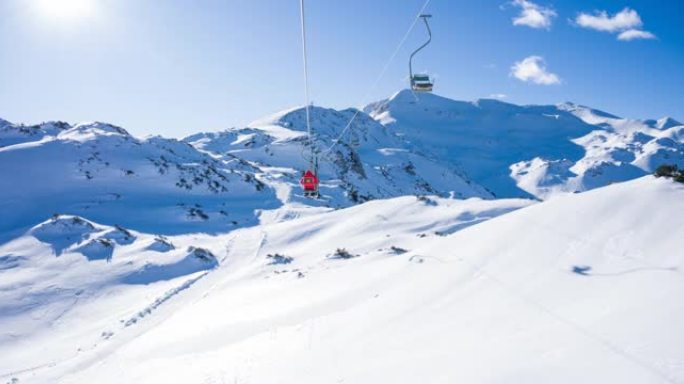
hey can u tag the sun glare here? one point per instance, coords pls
(65, 10)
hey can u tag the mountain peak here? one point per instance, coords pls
(92, 130)
(667, 122)
(409, 96)
(582, 110)
(100, 127)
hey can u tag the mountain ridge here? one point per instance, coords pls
(161, 260)
(408, 144)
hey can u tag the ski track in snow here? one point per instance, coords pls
(161, 300)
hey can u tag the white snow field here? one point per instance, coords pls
(582, 288)
(451, 244)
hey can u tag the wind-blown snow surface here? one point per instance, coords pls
(531, 150)
(580, 288)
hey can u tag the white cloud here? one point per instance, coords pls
(533, 15)
(601, 21)
(533, 69)
(632, 34)
(627, 23)
(499, 96)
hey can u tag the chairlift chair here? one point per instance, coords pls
(309, 182)
(421, 82)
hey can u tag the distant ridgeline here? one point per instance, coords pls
(408, 144)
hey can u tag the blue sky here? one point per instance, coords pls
(175, 67)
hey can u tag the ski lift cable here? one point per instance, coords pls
(380, 76)
(306, 80)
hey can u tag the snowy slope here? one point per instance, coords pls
(531, 150)
(580, 288)
(158, 260)
(368, 162)
(69, 267)
(113, 293)
(101, 172)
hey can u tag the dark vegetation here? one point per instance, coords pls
(342, 253)
(670, 171)
(581, 269)
(163, 243)
(127, 235)
(275, 259)
(426, 200)
(203, 254)
(398, 250)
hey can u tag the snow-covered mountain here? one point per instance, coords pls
(409, 144)
(531, 150)
(424, 143)
(449, 246)
(367, 162)
(100, 171)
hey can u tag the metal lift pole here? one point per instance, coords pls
(424, 17)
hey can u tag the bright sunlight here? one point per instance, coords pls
(65, 11)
